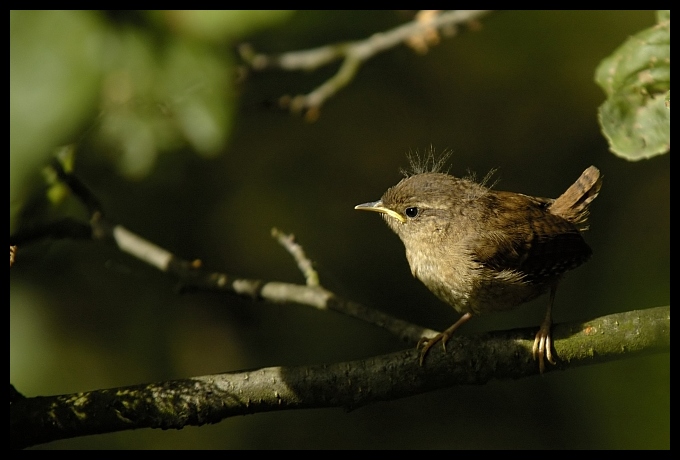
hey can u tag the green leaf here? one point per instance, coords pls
(636, 118)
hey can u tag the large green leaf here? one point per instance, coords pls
(636, 118)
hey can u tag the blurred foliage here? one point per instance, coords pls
(200, 164)
(54, 72)
(159, 100)
(136, 91)
(219, 25)
(637, 79)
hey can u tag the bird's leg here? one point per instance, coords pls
(426, 343)
(542, 348)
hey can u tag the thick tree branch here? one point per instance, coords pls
(470, 360)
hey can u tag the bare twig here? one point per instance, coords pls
(417, 33)
(429, 37)
(193, 276)
(304, 264)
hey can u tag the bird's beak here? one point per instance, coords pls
(377, 206)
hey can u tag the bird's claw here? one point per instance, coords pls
(542, 348)
(425, 343)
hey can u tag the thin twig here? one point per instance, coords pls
(194, 277)
(354, 54)
(304, 264)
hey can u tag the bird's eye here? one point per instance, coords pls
(411, 212)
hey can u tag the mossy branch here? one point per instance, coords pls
(470, 360)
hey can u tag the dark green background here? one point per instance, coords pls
(517, 95)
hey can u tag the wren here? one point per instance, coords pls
(481, 250)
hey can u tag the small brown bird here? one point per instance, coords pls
(482, 250)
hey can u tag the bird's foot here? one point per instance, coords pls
(425, 343)
(542, 348)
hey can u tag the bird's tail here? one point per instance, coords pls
(573, 204)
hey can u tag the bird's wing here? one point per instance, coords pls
(522, 235)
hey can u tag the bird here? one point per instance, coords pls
(482, 250)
